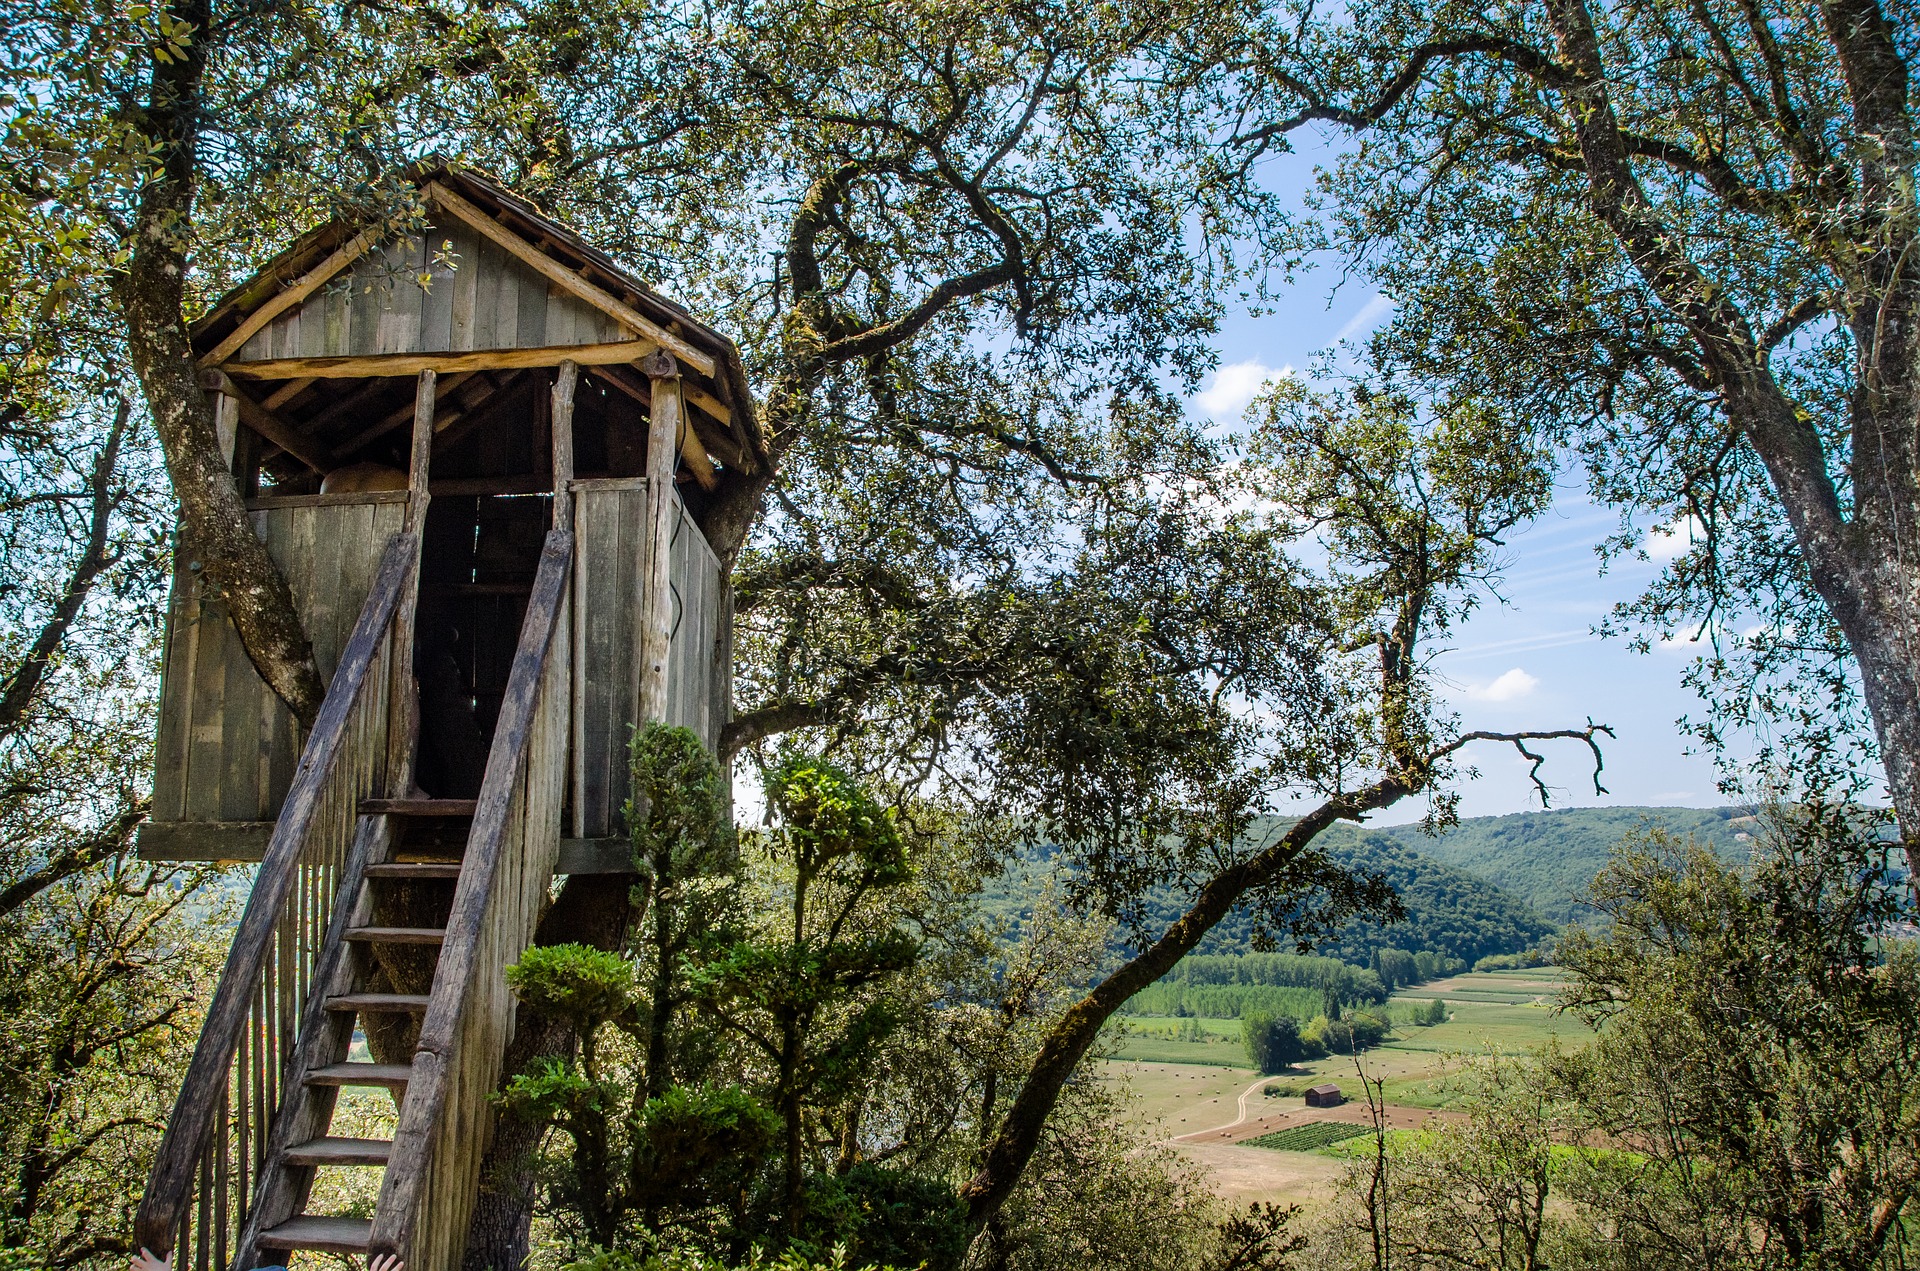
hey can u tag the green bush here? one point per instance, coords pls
(1273, 1042)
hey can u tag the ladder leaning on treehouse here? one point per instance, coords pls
(617, 620)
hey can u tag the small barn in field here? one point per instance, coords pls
(1325, 1096)
(482, 455)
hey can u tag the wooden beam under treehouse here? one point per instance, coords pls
(271, 426)
(411, 364)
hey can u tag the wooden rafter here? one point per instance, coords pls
(271, 426)
(570, 280)
(301, 287)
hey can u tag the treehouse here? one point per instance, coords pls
(481, 455)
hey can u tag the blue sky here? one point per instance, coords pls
(1534, 662)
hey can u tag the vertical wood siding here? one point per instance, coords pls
(227, 745)
(475, 297)
(611, 525)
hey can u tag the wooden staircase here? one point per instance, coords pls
(321, 1066)
(232, 1181)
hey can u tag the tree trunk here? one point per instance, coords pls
(217, 536)
(592, 910)
(1067, 1043)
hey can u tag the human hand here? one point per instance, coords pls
(147, 1260)
(379, 1262)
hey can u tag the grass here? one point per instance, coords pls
(1310, 1137)
(1506, 1011)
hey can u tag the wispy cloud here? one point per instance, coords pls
(1235, 385)
(1371, 315)
(1508, 687)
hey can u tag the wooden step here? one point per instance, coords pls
(397, 935)
(415, 869)
(419, 807)
(380, 1003)
(328, 1235)
(392, 1076)
(332, 1151)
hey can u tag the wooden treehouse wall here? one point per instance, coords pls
(614, 542)
(477, 297)
(227, 745)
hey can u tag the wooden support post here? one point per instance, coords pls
(226, 424)
(563, 385)
(424, 394)
(663, 448)
(403, 696)
(561, 417)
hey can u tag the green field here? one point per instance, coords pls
(1310, 1137)
(1506, 1011)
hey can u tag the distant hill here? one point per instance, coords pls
(1491, 885)
(1547, 858)
(1449, 910)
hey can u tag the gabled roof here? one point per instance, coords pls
(714, 376)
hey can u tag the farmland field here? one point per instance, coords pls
(1187, 1075)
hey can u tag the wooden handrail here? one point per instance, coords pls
(170, 1184)
(411, 1156)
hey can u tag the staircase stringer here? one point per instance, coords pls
(432, 1177)
(305, 1111)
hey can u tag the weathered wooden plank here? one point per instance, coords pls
(205, 747)
(558, 273)
(336, 307)
(466, 289)
(656, 635)
(531, 329)
(506, 304)
(170, 745)
(562, 319)
(411, 364)
(399, 326)
(436, 303)
(267, 502)
(312, 326)
(203, 840)
(241, 798)
(293, 294)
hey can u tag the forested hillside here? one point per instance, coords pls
(1449, 910)
(1546, 859)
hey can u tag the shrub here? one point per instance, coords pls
(1273, 1042)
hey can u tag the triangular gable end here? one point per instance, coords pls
(447, 290)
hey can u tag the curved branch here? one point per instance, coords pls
(19, 689)
(1590, 735)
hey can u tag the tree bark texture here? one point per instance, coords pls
(1862, 565)
(592, 909)
(217, 537)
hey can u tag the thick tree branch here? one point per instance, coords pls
(151, 295)
(112, 839)
(18, 691)
(1590, 735)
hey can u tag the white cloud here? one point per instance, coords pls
(1509, 687)
(1370, 316)
(1233, 386)
(1675, 539)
